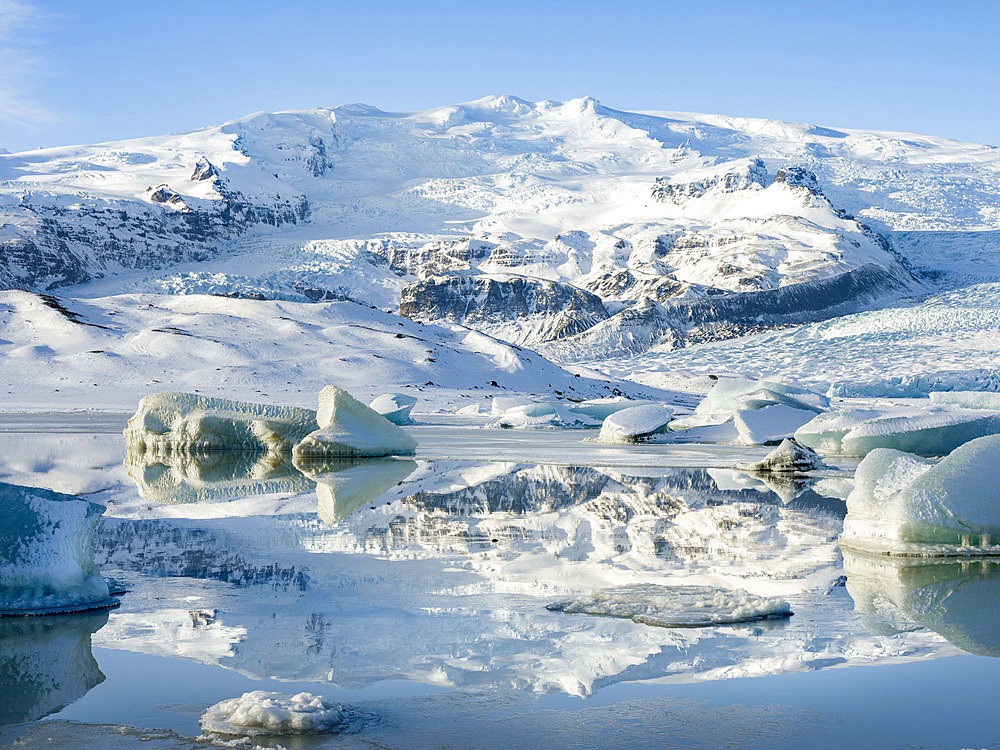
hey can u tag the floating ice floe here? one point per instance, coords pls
(677, 606)
(905, 504)
(263, 713)
(959, 600)
(927, 432)
(46, 562)
(349, 429)
(584, 414)
(395, 407)
(636, 424)
(730, 395)
(184, 422)
(770, 424)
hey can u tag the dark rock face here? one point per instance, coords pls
(482, 301)
(720, 316)
(797, 177)
(54, 245)
(742, 179)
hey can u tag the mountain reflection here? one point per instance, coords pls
(957, 599)
(46, 663)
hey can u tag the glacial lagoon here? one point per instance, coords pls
(415, 591)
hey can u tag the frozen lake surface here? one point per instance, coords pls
(414, 593)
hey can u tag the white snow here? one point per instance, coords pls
(46, 562)
(265, 713)
(676, 606)
(636, 424)
(167, 423)
(967, 399)
(349, 429)
(395, 407)
(906, 504)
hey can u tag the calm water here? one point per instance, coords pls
(414, 592)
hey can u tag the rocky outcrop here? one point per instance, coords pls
(514, 308)
(747, 176)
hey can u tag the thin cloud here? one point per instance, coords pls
(21, 63)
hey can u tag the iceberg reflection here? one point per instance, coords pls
(46, 663)
(959, 600)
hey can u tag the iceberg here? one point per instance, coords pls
(959, 600)
(46, 562)
(926, 432)
(168, 423)
(967, 399)
(263, 713)
(344, 486)
(905, 504)
(349, 429)
(636, 424)
(677, 606)
(395, 407)
(730, 395)
(770, 424)
(47, 664)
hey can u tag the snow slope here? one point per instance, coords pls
(355, 202)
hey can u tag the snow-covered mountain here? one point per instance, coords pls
(567, 224)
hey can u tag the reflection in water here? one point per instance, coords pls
(217, 475)
(445, 578)
(344, 487)
(958, 599)
(46, 663)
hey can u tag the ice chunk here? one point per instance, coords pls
(599, 409)
(263, 713)
(905, 504)
(967, 399)
(47, 664)
(635, 424)
(343, 487)
(825, 432)
(395, 407)
(929, 434)
(788, 458)
(770, 424)
(349, 429)
(529, 415)
(730, 395)
(584, 414)
(958, 600)
(184, 422)
(46, 562)
(215, 475)
(677, 606)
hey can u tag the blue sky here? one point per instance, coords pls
(75, 72)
